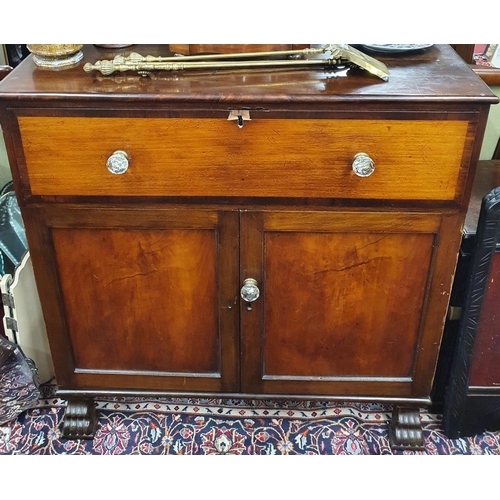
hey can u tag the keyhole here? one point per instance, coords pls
(240, 121)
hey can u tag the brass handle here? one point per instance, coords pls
(118, 163)
(250, 291)
(363, 165)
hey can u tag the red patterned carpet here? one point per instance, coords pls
(136, 426)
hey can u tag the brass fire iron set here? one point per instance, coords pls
(337, 56)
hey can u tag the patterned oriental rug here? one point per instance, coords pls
(138, 426)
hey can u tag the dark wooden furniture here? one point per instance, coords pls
(140, 273)
(217, 48)
(468, 375)
(491, 76)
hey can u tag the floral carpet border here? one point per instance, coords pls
(180, 426)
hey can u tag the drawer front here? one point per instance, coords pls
(413, 160)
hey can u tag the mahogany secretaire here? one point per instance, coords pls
(304, 250)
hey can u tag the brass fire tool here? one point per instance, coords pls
(339, 55)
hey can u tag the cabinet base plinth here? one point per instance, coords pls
(80, 419)
(405, 430)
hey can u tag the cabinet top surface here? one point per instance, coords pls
(437, 73)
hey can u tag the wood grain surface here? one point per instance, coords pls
(414, 160)
(436, 77)
(229, 48)
(140, 299)
(343, 304)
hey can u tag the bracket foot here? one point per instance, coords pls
(80, 419)
(405, 430)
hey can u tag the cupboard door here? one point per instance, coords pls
(350, 303)
(139, 298)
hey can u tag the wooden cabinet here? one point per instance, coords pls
(147, 212)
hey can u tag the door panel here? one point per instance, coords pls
(147, 300)
(143, 304)
(343, 304)
(342, 297)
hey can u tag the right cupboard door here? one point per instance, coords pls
(350, 303)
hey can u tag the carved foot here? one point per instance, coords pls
(405, 430)
(80, 419)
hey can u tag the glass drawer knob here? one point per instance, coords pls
(118, 163)
(363, 165)
(250, 291)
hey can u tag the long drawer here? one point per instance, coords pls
(413, 160)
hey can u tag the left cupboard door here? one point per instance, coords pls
(138, 298)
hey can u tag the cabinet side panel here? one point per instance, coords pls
(140, 300)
